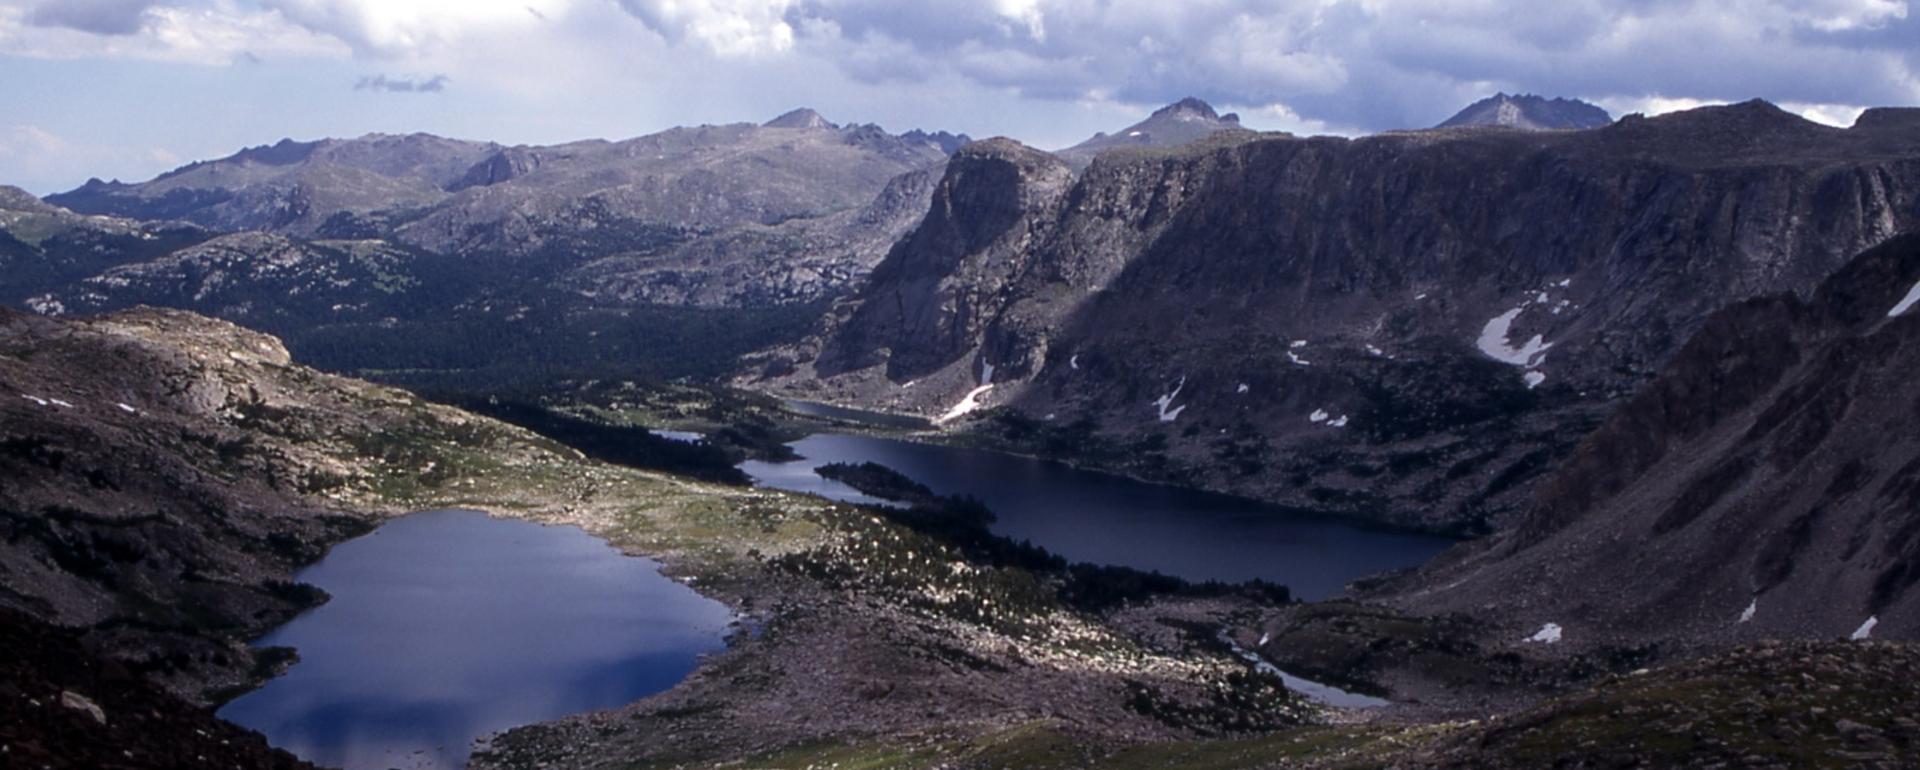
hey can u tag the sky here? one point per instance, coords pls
(130, 88)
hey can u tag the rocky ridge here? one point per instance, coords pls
(1763, 486)
(1406, 327)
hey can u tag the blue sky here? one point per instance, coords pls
(129, 88)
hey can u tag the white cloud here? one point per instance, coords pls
(410, 28)
(215, 33)
(732, 28)
(1335, 65)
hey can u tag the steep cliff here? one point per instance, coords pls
(1409, 327)
(1766, 485)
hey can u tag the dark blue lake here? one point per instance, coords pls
(1105, 519)
(447, 626)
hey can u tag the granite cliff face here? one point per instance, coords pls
(1408, 327)
(1765, 485)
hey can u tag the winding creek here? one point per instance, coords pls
(446, 626)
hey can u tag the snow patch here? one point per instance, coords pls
(67, 404)
(1564, 283)
(1169, 412)
(1534, 378)
(1548, 634)
(1338, 422)
(1298, 344)
(1298, 360)
(1374, 351)
(46, 305)
(34, 399)
(1907, 302)
(1865, 631)
(1242, 389)
(1319, 415)
(127, 409)
(1493, 342)
(968, 404)
(1746, 615)
(986, 373)
(1420, 296)
(1074, 361)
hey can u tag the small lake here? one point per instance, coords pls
(447, 626)
(1104, 519)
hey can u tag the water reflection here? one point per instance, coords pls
(1103, 519)
(447, 626)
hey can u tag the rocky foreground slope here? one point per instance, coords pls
(1410, 327)
(1765, 485)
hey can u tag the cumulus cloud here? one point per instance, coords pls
(726, 27)
(1363, 63)
(210, 32)
(1343, 64)
(395, 29)
(402, 85)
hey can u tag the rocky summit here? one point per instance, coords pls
(1529, 112)
(1180, 123)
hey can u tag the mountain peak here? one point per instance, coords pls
(1530, 112)
(1183, 122)
(800, 118)
(1189, 105)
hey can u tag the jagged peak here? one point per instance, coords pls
(803, 117)
(1529, 111)
(1190, 105)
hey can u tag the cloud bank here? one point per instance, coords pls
(1352, 64)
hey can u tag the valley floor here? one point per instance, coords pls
(877, 644)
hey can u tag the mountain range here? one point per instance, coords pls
(1410, 327)
(1655, 372)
